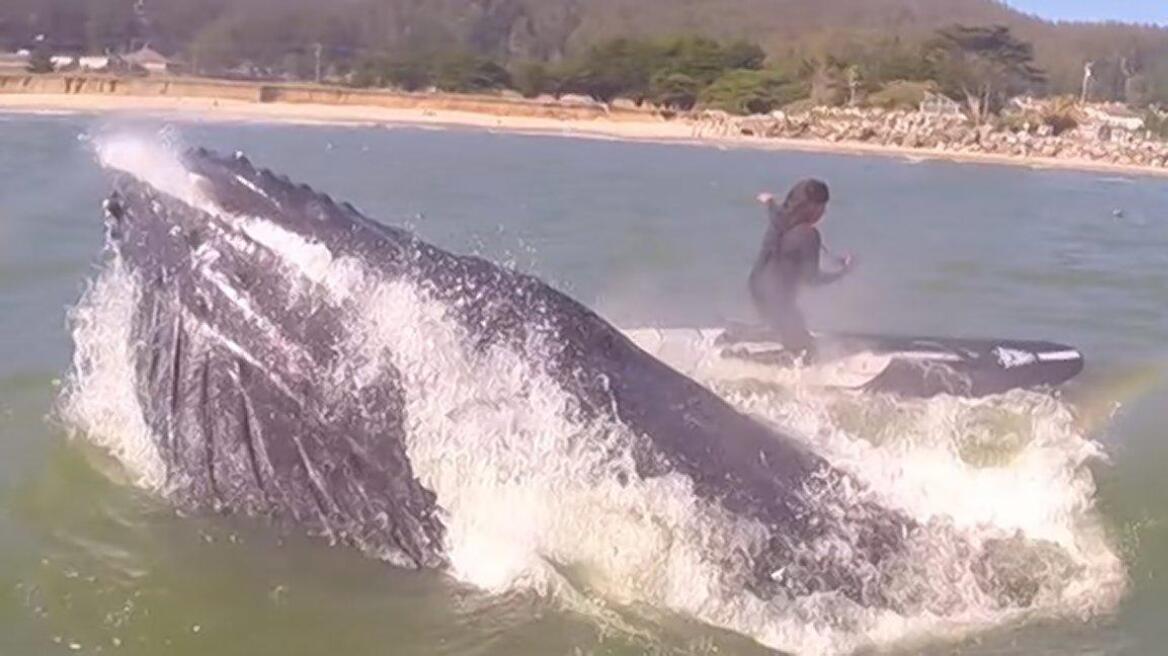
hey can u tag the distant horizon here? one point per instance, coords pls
(1126, 11)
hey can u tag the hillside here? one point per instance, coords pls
(824, 26)
(223, 32)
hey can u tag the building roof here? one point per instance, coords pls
(146, 55)
(940, 98)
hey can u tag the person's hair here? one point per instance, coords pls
(804, 194)
(809, 191)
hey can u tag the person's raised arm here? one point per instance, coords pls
(772, 208)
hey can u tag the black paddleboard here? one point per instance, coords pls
(927, 366)
(904, 365)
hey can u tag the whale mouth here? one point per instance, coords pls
(515, 476)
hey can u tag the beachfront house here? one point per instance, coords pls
(93, 63)
(940, 105)
(148, 59)
(63, 62)
(245, 71)
(80, 63)
(1115, 116)
(1027, 104)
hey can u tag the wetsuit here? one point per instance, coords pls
(789, 259)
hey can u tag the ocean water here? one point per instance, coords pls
(659, 235)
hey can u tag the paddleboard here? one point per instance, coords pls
(908, 366)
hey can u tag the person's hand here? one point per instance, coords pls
(847, 262)
(765, 198)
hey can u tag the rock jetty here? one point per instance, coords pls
(1093, 137)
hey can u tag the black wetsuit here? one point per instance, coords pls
(789, 260)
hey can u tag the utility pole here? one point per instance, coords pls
(1125, 68)
(853, 84)
(319, 52)
(1088, 73)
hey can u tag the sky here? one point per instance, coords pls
(1135, 11)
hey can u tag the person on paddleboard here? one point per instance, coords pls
(789, 260)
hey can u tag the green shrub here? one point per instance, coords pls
(801, 106)
(901, 95)
(674, 90)
(470, 74)
(751, 92)
(1156, 122)
(407, 74)
(533, 79)
(40, 61)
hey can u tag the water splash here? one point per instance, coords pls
(99, 399)
(530, 489)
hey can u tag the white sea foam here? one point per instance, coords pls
(100, 399)
(153, 161)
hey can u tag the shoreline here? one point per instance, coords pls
(645, 128)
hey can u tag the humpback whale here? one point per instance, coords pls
(264, 393)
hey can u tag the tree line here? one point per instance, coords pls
(677, 73)
(982, 67)
(838, 53)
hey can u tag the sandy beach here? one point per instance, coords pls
(626, 127)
